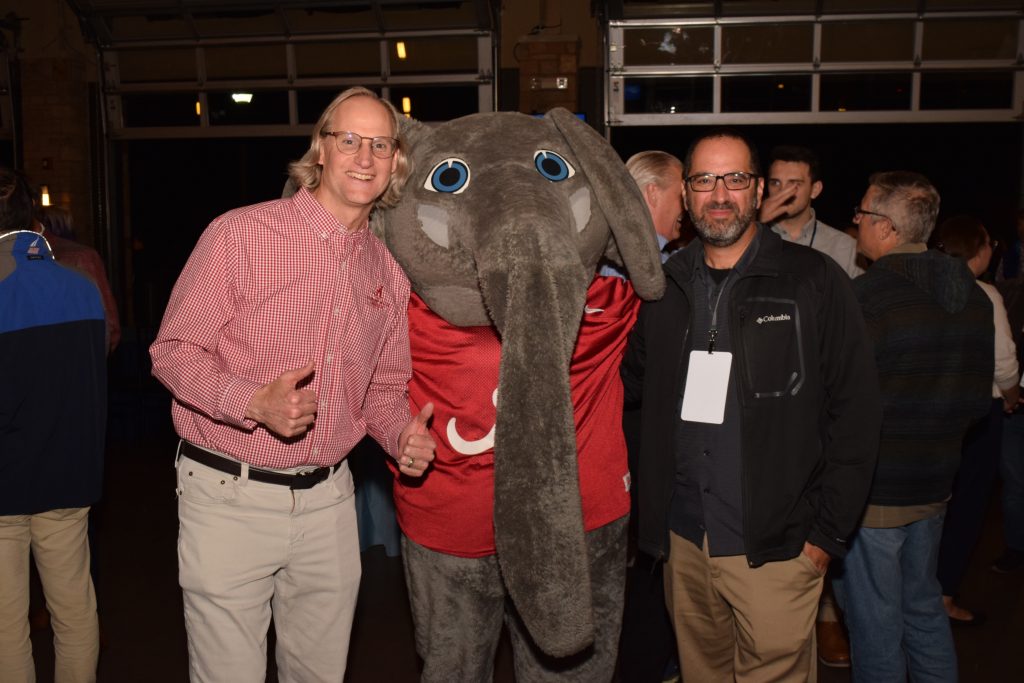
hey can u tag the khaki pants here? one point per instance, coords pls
(246, 548)
(59, 543)
(734, 622)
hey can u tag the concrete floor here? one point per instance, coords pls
(141, 612)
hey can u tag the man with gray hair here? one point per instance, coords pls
(659, 175)
(285, 341)
(932, 334)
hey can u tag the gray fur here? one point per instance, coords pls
(459, 605)
(515, 257)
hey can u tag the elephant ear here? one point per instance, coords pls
(290, 188)
(620, 200)
(411, 131)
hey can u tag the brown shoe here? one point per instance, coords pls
(833, 645)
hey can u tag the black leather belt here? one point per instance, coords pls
(303, 480)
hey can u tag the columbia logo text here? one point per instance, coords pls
(773, 318)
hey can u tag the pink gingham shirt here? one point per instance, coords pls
(267, 289)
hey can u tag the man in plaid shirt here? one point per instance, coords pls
(284, 342)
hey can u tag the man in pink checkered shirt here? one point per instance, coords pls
(284, 342)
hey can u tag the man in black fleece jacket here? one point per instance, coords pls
(747, 503)
(932, 331)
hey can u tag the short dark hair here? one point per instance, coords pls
(755, 160)
(15, 201)
(799, 155)
(961, 236)
(56, 220)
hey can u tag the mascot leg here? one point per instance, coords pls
(457, 606)
(606, 553)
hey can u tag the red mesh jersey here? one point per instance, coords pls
(451, 509)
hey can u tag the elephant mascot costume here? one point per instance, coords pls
(522, 516)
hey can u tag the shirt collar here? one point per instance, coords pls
(804, 231)
(909, 248)
(320, 219)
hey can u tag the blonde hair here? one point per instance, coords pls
(307, 171)
(652, 167)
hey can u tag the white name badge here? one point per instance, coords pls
(707, 384)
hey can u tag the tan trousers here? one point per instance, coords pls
(733, 622)
(246, 548)
(59, 543)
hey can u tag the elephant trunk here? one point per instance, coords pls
(536, 299)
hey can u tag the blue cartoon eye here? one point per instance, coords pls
(552, 166)
(451, 176)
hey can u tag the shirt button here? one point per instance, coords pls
(315, 451)
(707, 453)
(706, 490)
(329, 359)
(337, 310)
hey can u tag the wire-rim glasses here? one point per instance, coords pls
(347, 142)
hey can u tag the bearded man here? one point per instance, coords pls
(760, 416)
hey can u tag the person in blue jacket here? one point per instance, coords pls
(52, 424)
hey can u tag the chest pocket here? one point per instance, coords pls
(774, 359)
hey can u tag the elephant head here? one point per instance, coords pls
(503, 222)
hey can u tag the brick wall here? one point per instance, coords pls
(55, 111)
(56, 67)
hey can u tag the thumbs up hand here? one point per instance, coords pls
(281, 407)
(415, 445)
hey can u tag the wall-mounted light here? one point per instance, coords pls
(406, 105)
(241, 97)
(400, 49)
(44, 195)
(199, 109)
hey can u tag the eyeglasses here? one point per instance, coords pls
(857, 211)
(348, 142)
(706, 182)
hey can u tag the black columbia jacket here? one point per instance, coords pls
(809, 399)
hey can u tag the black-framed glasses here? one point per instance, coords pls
(857, 211)
(706, 182)
(382, 147)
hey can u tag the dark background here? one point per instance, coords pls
(174, 188)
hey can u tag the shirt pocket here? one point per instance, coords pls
(774, 358)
